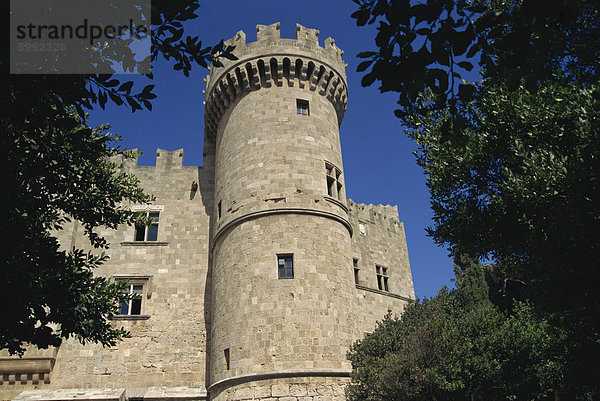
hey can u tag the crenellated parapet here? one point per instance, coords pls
(275, 62)
(374, 213)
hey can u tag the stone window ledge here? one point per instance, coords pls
(376, 291)
(144, 243)
(336, 202)
(130, 317)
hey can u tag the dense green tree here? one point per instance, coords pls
(58, 172)
(57, 168)
(519, 185)
(512, 161)
(455, 345)
(431, 45)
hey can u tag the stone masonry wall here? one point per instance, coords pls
(169, 340)
(287, 389)
(379, 239)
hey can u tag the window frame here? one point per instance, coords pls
(131, 303)
(146, 210)
(227, 359)
(382, 278)
(356, 271)
(285, 268)
(302, 107)
(144, 282)
(333, 179)
(147, 229)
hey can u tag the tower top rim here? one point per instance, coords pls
(273, 61)
(269, 42)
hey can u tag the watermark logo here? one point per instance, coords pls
(80, 37)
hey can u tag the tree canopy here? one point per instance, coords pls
(512, 155)
(432, 45)
(56, 168)
(458, 345)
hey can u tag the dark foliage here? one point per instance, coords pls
(56, 168)
(432, 45)
(458, 345)
(512, 161)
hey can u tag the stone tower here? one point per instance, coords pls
(282, 292)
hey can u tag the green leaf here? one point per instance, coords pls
(111, 83)
(366, 54)
(368, 79)
(115, 98)
(126, 87)
(102, 97)
(361, 16)
(364, 65)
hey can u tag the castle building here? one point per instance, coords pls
(258, 273)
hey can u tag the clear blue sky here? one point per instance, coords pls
(379, 165)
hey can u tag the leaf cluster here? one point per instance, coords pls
(56, 170)
(455, 346)
(83, 91)
(430, 46)
(518, 183)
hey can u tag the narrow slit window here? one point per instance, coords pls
(302, 107)
(285, 266)
(227, 360)
(219, 209)
(356, 270)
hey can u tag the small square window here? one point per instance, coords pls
(147, 233)
(285, 266)
(302, 107)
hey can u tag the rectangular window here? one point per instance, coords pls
(219, 209)
(285, 266)
(147, 233)
(356, 270)
(302, 107)
(382, 278)
(133, 306)
(227, 360)
(334, 183)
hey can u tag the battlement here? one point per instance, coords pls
(164, 158)
(373, 213)
(269, 37)
(275, 61)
